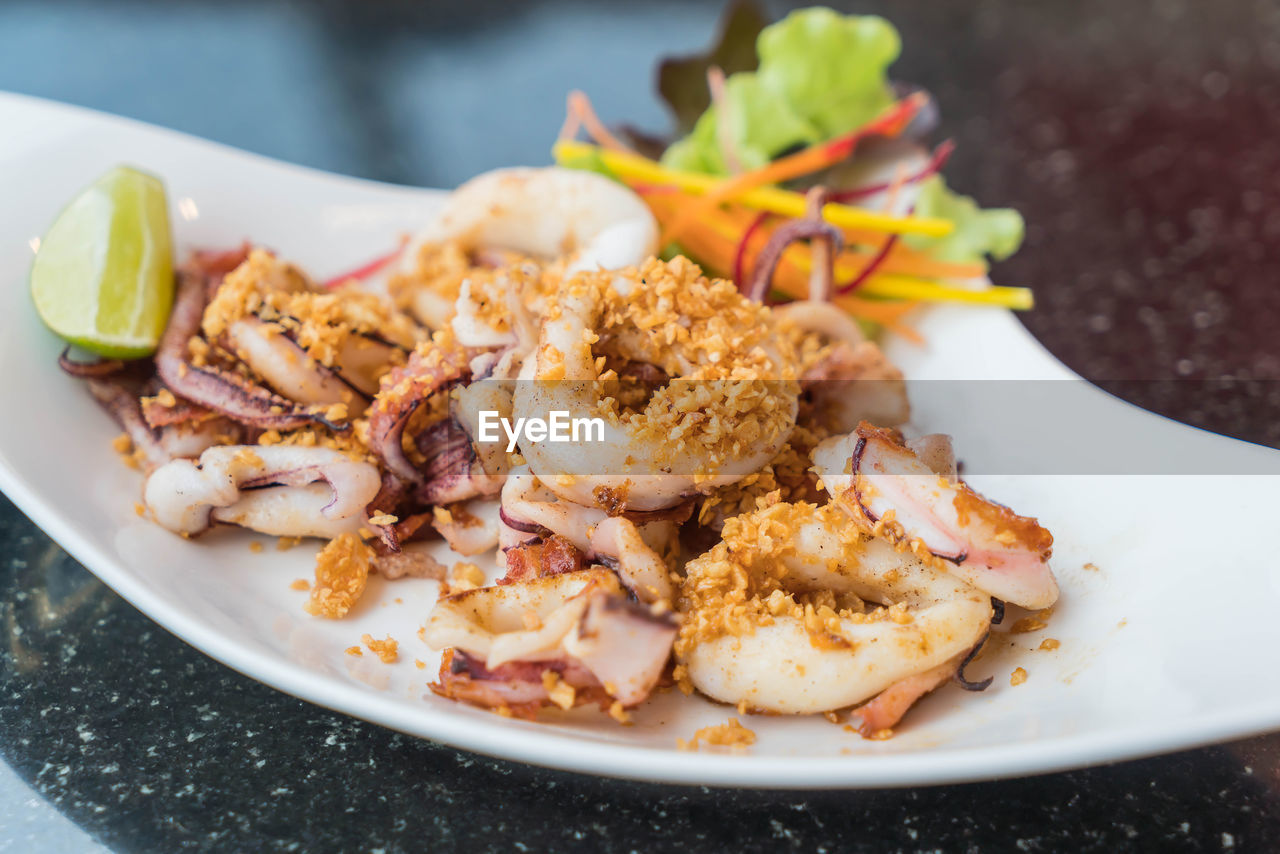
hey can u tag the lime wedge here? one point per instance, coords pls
(103, 275)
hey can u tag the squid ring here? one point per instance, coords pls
(889, 488)
(549, 213)
(578, 624)
(726, 409)
(750, 637)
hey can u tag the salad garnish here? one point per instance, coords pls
(811, 105)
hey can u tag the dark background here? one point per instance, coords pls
(1138, 138)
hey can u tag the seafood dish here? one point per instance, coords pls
(640, 399)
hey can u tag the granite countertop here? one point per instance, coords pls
(1137, 138)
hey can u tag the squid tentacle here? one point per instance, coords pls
(219, 390)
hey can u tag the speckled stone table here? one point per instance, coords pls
(1138, 139)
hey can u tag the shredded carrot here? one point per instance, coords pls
(911, 262)
(580, 105)
(890, 315)
(572, 120)
(824, 154)
(890, 123)
(901, 259)
(634, 168)
(714, 242)
(654, 189)
(810, 160)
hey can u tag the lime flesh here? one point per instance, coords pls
(103, 275)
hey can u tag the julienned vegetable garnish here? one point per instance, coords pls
(733, 506)
(659, 186)
(750, 192)
(816, 108)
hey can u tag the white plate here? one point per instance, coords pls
(1163, 646)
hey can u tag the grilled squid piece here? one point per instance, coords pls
(631, 547)
(848, 384)
(727, 409)
(545, 213)
(285, 366)
(433, 366)
(579, 626)
(888, 488)
(450, 468)
(454, 466)
(470, 527)
(513, 286)
(618, 544)
(214, 388)
(848, 380)
(279, 490)
(459, 465)
(884, 710)
(157, 446)
(158, 433)
(192, 438)
(774, 614)
(312, 346)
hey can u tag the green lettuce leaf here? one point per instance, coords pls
(820, 74)
(996, 231)
(682, 81)
(831, 69)
(761, 125)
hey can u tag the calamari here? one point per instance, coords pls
(314, 346)
(774, 616)
(216, 388)
(631, 547)
(469, 527)
(545, 213)
(886, 487)
(159, 434)
(432, 367)
(579, 626)
(728, 409)
(280, 490)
